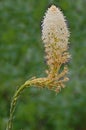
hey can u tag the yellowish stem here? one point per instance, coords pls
(13, 104)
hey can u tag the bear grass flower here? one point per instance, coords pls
(55, 37)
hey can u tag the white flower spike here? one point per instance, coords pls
(54, 27)
(55, 36)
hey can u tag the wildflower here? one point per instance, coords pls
(55, 36)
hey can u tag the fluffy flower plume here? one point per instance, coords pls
(55, 36)
(54, 29)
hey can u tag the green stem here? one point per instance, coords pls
(13, 104)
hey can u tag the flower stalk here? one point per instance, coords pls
(55, 37)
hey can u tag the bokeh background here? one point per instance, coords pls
(22, 56)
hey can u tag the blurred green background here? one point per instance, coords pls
(22, 56)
